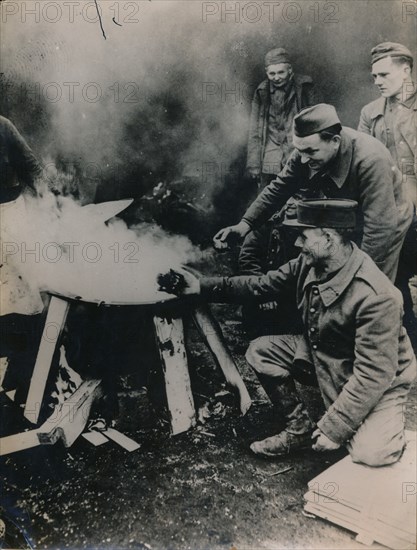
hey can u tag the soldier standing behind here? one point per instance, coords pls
(275, 103)
(392, 119)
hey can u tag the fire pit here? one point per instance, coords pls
(125, 286)
(70, 421)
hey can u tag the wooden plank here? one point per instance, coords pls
(170, 340)
(379, 532)
(95, 438)
(122, 440)
(369, 501)
(212, 334)
(386, 537)
(70, 418)
(66, 423)
(54, 324)
(19, 442)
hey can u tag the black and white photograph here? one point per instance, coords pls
(208, 274)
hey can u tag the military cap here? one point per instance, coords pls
(333, 213)
(312, 120)
(275, 56)
(390, 49)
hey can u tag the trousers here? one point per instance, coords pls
(379, 440)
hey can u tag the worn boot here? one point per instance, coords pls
(282, 444)
(299, 427)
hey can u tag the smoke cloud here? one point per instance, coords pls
(167, 93)
(63, 248)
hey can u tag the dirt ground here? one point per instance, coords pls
(199, 490)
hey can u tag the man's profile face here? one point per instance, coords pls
(389, 77)
(314, 246)
(279, 74)
(316, 151)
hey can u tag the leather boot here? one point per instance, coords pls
(299, 427)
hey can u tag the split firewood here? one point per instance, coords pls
(171, 282)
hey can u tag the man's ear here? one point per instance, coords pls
(330, 237)
(336, 139)
(407, 70)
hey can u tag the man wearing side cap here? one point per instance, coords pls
(392, 119)
(275, 103)
(339, 163)
(353, 345)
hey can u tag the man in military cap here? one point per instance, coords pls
(353, 344)
(339, 163)
(275, 103)
(392, 119)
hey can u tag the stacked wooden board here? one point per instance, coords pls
(379, 504)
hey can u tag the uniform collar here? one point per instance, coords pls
(378, 106)
(339, 167)
(411, 102)
(330, 290)
(408, 103)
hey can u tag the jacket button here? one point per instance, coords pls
(312, 329)
(312, 309)
(314, 346)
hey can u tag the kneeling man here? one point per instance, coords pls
(353, 346)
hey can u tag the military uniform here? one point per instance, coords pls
(393, 121)
(353, 342)
(363, 170)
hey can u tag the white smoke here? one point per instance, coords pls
(66, 249)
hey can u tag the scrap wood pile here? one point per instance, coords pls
(379, 504)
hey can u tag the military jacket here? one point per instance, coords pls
(353, 334)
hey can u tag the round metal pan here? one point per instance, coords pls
(165, 298)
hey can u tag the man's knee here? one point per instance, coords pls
(255, 354)
(376, 456)
(270, 355)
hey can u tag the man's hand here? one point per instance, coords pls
(234, 232)
(323, 443)
(180, 282)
